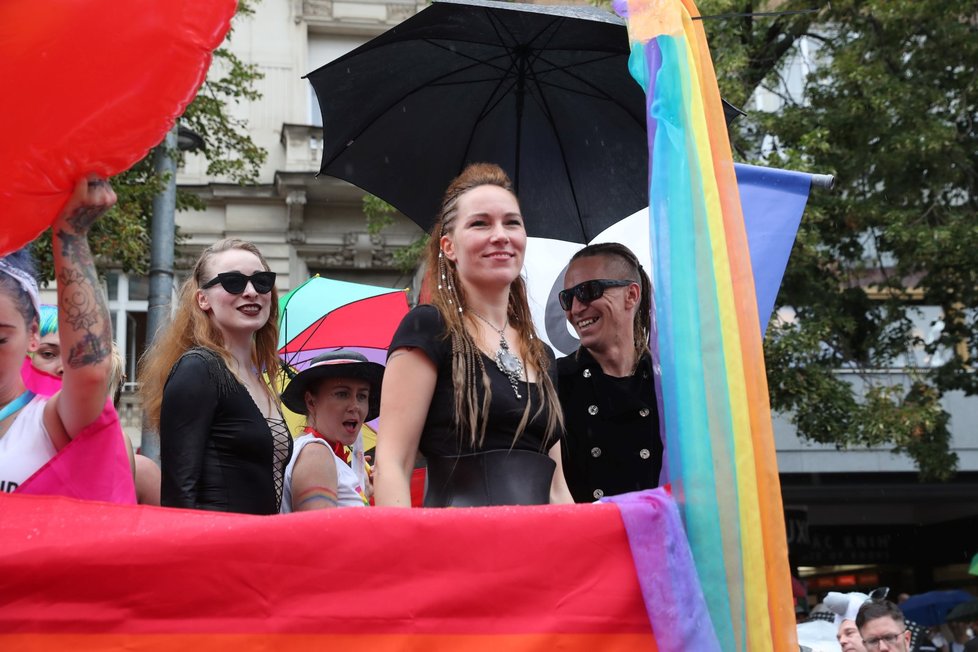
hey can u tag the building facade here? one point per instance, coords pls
(303, 224)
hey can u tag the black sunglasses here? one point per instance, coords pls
(588, 291)
(236, 282)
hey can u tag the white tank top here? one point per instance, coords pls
(348, 491)
(26, 446)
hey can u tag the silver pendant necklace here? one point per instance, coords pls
(509, 364)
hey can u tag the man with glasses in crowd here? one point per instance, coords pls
(606, 387)
(882, 627)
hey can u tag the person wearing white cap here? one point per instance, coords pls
(337, 392)
(845, 606)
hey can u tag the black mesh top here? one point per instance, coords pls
(217, 451)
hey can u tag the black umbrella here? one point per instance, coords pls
(965, 612)
(932, 608)
(541, 90)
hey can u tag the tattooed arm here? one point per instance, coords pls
(83, 317)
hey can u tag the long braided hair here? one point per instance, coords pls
(630, 269)
(448, 296)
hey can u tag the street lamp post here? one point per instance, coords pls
(162, 234)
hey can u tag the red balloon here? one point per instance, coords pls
(90, 86)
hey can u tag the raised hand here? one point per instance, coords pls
(83, 316)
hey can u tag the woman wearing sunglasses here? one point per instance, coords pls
(223, 442)
(468, 382)
(607, 387)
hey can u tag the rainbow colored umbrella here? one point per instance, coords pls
(324, 315)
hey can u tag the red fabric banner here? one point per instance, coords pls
(85, 575)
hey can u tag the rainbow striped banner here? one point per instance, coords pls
(714, 400)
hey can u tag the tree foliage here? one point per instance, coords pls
(121, 238)
(889, 107)
(380, 215)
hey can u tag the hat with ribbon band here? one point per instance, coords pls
(343, 363)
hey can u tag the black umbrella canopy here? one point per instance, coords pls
(543, 91)
(964, 612)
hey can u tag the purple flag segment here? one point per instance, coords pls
(773, 201)
(666, 573)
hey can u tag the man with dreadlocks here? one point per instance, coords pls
(606, 387)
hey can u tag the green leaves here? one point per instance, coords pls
(380, 215)
(228, 147)
(883, 95)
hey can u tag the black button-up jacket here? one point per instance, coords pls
(613, 444)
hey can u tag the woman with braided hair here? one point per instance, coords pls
(607, 387)
(468, 382)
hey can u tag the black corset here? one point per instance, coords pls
(497, 477)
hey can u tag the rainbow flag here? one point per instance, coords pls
(83, 575)
(714, 401)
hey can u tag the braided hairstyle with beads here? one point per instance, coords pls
(448, 296)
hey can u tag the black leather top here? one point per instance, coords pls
(500, 477)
